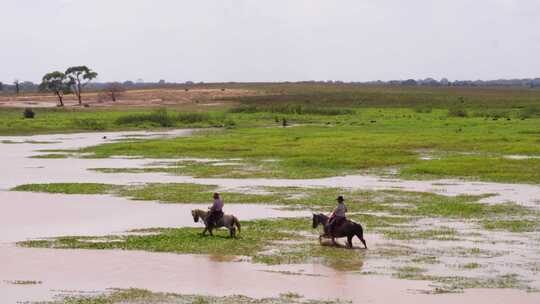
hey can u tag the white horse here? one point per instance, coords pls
(227, 220)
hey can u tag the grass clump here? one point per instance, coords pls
(138, 296)
(166, 119)
(512, 225)
(296, 109)
(68, 188)
(446, 234)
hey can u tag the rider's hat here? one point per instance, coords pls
(340, 198)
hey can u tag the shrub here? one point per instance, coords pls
(529, 112)
(28, 113)
(457, 111)
(160, 117)
(293, 109)
(164, 119)
(89, 124)
(192, 117)
(423, 109)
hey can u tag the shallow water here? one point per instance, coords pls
(74, 170)
(90, 270)
(26, 215)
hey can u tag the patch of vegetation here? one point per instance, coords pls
(67, 188)
(23, 282)
(486, 168)
(297, 109)
(446, 234)
(512, 225)
(254, 240)
(313, 151)
(190, 193)
(137, 296)
(51, 155)
(470, 266)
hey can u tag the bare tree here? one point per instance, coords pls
(80, 76)
(114, 90)
(16, 83)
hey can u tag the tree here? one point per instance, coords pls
(114, 90)
(1, 86)
(17, 86)
(58, 83)
(79, 77)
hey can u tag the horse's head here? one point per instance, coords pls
(195, 215)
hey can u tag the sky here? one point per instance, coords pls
(271, 40)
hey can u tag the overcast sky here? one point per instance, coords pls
(271, 40)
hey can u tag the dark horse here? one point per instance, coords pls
(348, 229)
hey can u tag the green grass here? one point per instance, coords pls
(77, 120)
(345, 129)
(522, 225)
(487, 168)
(51, 155)
(256, 236)
(67, 188)
(353, 144)
(445, 234)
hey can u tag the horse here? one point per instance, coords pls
(347, 229)
(228, 221)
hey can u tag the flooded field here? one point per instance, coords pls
(488, 266)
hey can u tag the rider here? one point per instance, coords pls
(338, 215)
(216, 210)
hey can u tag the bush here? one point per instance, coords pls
(293, 109)
(163, 118)
(423, 109)
(529, 112)
(159, 117)
(192, 117)
(89, 124)
(457, 111)
(493, 113)
(28, 113)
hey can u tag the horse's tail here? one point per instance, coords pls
(236, 223)
(360, 234)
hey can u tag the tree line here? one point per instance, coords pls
(72, 80)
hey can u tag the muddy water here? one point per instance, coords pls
(34, 215)
(25, 215)
(97, 270)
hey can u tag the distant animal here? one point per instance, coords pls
(228, 220)
(348, 229)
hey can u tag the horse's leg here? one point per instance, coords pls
(349, 241)
(334, 241)
(360, 235)
(210, 231)
(232, 232)
(204, 231)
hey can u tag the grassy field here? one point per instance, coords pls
(332, 130)
(376, 139)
